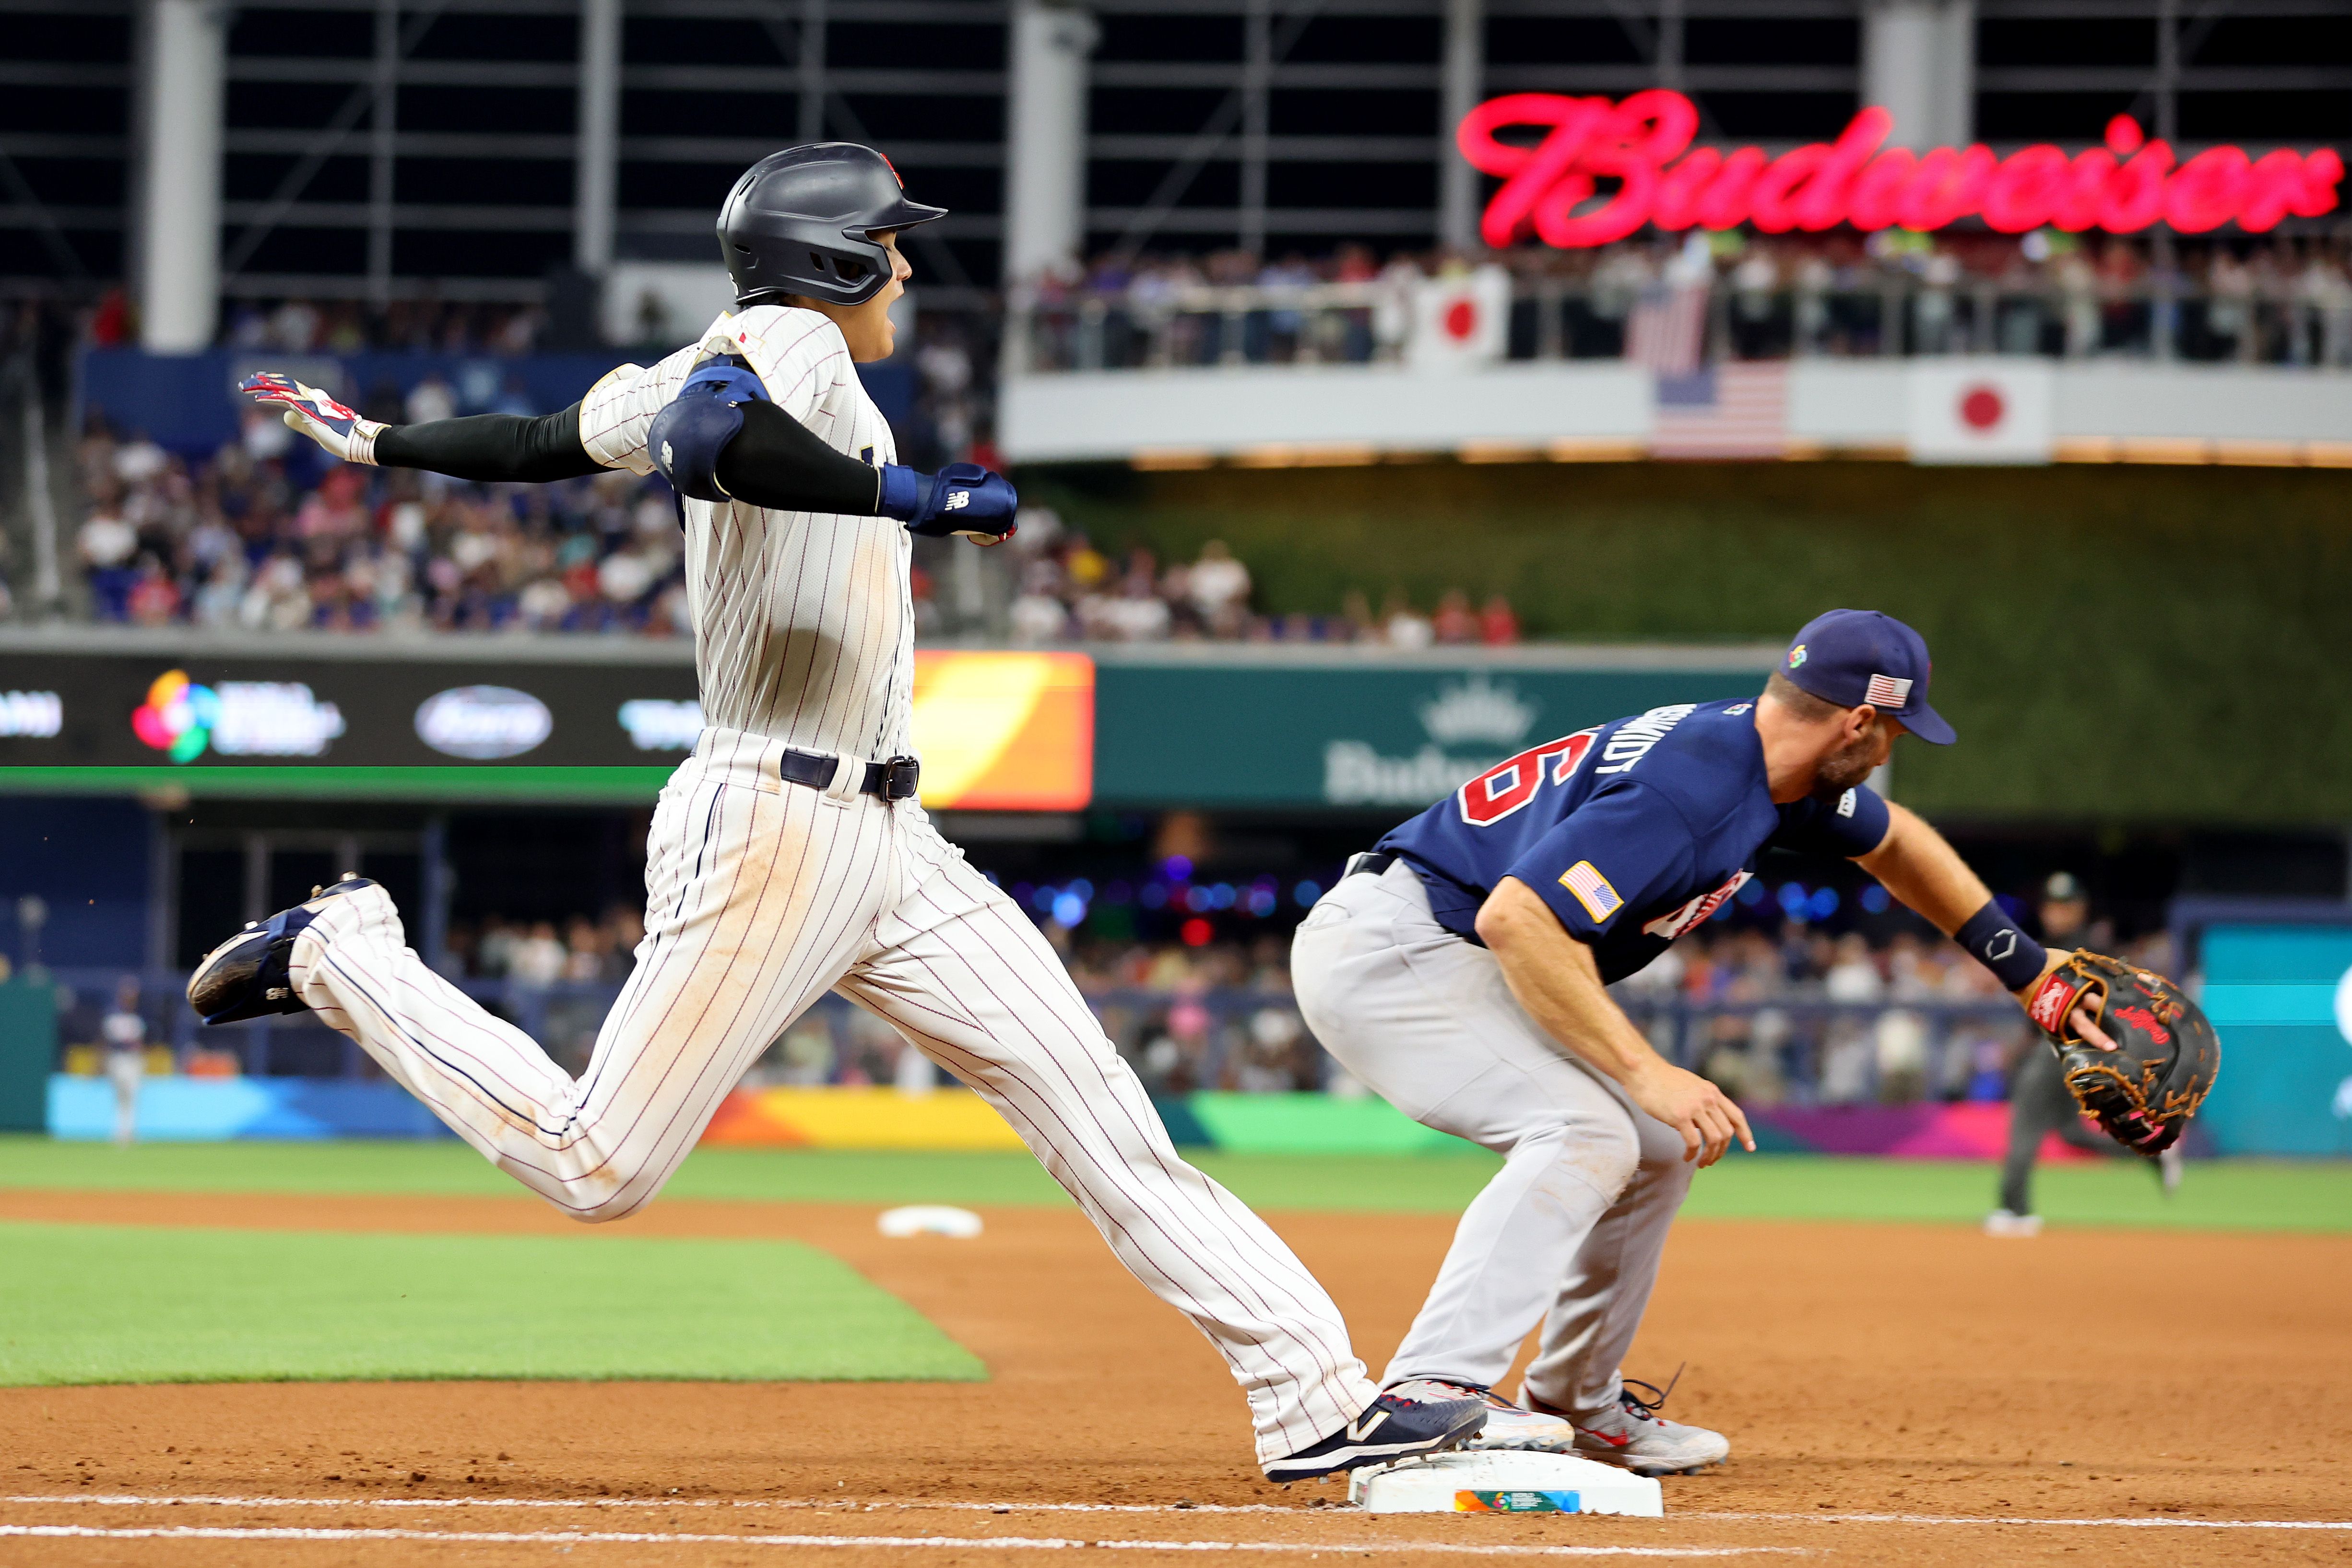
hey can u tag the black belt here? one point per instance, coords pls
(892, 780)
(1371, 863)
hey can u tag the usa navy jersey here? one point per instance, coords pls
(1633, 831)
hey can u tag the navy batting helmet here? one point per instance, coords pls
(802, 222)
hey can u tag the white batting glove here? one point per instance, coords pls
(340, 430)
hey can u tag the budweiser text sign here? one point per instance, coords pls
(1550, 180)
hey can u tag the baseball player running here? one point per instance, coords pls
(788, 854)
(1458, 968)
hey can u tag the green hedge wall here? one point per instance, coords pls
(2115, 644)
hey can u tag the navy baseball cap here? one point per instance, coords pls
(1855, 656)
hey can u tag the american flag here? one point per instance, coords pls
(1736, 410)
(1592, 890)
(1667, 326)
(1888, 692)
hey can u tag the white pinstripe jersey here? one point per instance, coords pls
(803, 621)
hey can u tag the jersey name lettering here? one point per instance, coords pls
(1675, 923)
(1508, 786)
(1632, 743)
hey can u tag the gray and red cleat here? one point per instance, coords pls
(1634, 1435)
(1416, 1416)
(244, 976)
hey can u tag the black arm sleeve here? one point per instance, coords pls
(491, 447)
(776, 461)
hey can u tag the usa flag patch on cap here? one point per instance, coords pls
(1592, 890)
(1888, 692)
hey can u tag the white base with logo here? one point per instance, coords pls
(1504, 1482)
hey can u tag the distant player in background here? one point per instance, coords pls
(2040, 1102)
(125, 1033)
(789, 855)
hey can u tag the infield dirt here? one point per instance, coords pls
(1860, 1370)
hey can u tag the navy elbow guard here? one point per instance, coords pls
(687, 436)
(1993, 940)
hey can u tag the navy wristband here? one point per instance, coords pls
(1993, 940)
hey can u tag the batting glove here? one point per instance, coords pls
(340, 430)
(962, 499)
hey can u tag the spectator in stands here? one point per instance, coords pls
(1498, 623)
(1454, 622)
(1403, 626)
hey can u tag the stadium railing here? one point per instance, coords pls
(1888, 313)
(1797, 1048)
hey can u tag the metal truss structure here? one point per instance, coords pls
(377, 148)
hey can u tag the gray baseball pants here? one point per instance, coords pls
(1570, 1230)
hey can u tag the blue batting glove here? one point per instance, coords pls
(962, 499)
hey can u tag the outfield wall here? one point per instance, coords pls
(204, 1109)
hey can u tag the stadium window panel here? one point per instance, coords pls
(2066, 117)
(1188, 38)
(2278, 41)
(645, 183)
(1771, 41)
(1562, 40)
(290, 105)
(2065, 41)
(1352, 111)
(930, 116)
(1150, 111)
(459, 36)
(310, 251)
(521, 110)
(674, 40)
(713, 112)
(1383, 40)
(894, 46)
(2303, 116)
(1778, 116)
(73, 181)
(478, 253)
(503, 181)
(1351, 185)
(258, 33)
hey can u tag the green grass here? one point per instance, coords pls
(2231, 1195)
(102, 1303)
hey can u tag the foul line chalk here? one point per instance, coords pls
(965, 1542)
(136, 1499)
(2019, 1518)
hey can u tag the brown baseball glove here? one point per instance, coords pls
(2166, 1054)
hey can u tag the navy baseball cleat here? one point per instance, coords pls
(1420, 1415)
(244, 976)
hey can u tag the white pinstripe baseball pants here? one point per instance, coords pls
(760, 896)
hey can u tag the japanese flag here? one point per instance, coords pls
(1981, 410)
(1463, 322)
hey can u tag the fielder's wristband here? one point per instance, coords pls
(904, 492)
(1993, 940)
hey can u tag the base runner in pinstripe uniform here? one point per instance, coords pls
(788, 855)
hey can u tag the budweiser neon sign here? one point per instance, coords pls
(1643, 144)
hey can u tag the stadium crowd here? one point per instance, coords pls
(238, 541)
(2270, 300)
(1786, 1013)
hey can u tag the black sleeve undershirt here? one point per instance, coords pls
(491, 447)
(774, 461)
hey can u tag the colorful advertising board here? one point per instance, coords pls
(1550, 152)
(2281, 998)
(997, 731)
